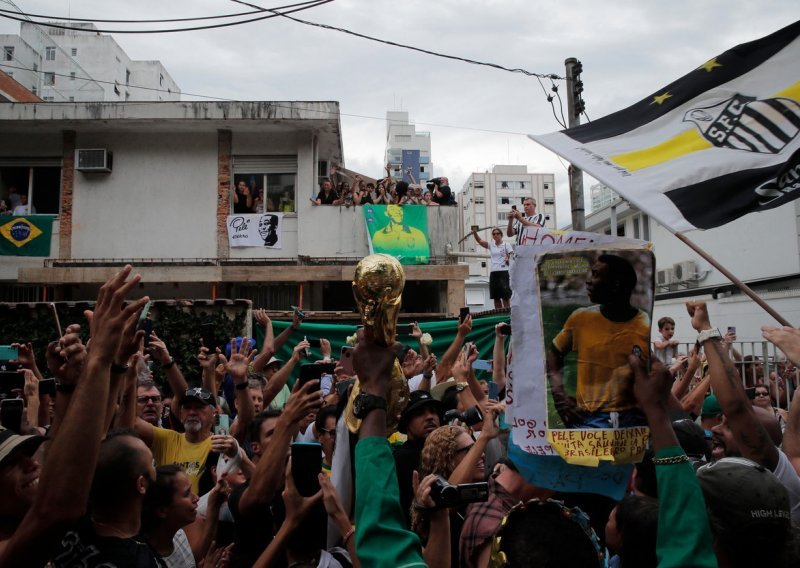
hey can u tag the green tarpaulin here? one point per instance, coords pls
(442, 331)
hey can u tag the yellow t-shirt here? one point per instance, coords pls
(171, 447)
(605, 381)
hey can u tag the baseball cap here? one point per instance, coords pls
(273, 360)
(200, 395)
(711, 406)
(417, 399)
(691, 438)
(744, 495)
(11, 442)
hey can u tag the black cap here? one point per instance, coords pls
(416, 401)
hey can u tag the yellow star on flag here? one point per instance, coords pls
(710, 64)
(661, 98)
(19, 231)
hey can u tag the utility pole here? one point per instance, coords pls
(575, 107)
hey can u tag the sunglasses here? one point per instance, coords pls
(761, 394)
(465, 449)
(145, 399)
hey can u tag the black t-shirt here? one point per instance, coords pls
(254, 531)
(82, 547)
(241, 207)
(327, 199)
(406, 460)
(446, 198)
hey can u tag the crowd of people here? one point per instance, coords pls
(16, 203)
(113, 469)
(385, 191)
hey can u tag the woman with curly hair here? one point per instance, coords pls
(452, 453)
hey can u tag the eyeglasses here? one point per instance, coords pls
(330, 432)
(145, 399)
(465, 449)
(761, 393)
(495, 234)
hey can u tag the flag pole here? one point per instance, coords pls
(739, 284)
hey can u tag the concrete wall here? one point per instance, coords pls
(24, 56)
(159, 201)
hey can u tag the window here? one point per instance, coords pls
(116, 88)
(47, 99)
(72, 75)
(478, 185)
(33, 89)
(503, 200)
(161, 79)
(546, 186)
(74, 51)
(127, 76)
(35, 67)
(502, 215)
(72, 99)
(8, 53)
(549, 201)
(269, 179)
(479, 201)
(127, 95)
(40, 181)
(50, 53)
(49, 78)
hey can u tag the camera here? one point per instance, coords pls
(445, 494)
(469, 417)
(435, 182)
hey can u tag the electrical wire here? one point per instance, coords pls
(274, 14)
(560, 102)
(412, 48)
(164, 21)
(277, 105)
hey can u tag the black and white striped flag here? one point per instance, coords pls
(716, 144)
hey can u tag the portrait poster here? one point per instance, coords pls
(398, 230)
(595, 310)
(258, 230)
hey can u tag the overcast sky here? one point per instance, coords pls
(628, 50)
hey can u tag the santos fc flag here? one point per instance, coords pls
(713, 146)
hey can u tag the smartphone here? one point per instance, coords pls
(306, 465)
(314, 342)
(327, 368)
(208, 336)
(143, 315)
(505, 329)
(342, 386)
(11, 414)
(8, 353)
(297, 310)
(493, 391)
(346, 360)
(10, 380)
(732, 329)
(482, 365)
(311, 372)
(222, 424)
(56, 320)
(147, 326)
(514, 207)
(474, 228)
(47, 387)
(463, 313)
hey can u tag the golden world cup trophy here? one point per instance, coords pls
(377, 286)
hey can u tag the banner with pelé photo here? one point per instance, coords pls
(399, 231)
(26, 236)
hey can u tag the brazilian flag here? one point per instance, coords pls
(26, 236)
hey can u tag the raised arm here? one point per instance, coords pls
(65, 481)
(177, 382)
(279, 379)
(510, 231)
(445, 366)
(787, 339)
(416, 333)
(479, 240)
(236, 367)
(499, 358)
(753, 439)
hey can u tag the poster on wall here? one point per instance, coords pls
(255, 230)
(400, 231)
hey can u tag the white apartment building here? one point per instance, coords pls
(485, 200)
(402, 135)
(601, 196)
(82, 65)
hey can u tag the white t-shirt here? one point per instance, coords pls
(181, 556)
(498, 254)
(791, 481)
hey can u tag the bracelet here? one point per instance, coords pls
(671, 460)
(119, 369)
(169, 364)
(349, 533)
(241, 386)
(65, 388)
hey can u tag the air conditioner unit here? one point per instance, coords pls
(684, 271)
(664, 277)
(93, 160)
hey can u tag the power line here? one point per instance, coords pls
(198, 18)
(412, 48)
(331, 113)
(274, 14)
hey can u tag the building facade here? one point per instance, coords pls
(164, 202)
(485, 200)
(402, 138)
(82, 65)
(601, 196)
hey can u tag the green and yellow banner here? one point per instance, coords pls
(398, 230)
(26, 236)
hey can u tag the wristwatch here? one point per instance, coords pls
(707, 334)
(365, 403)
